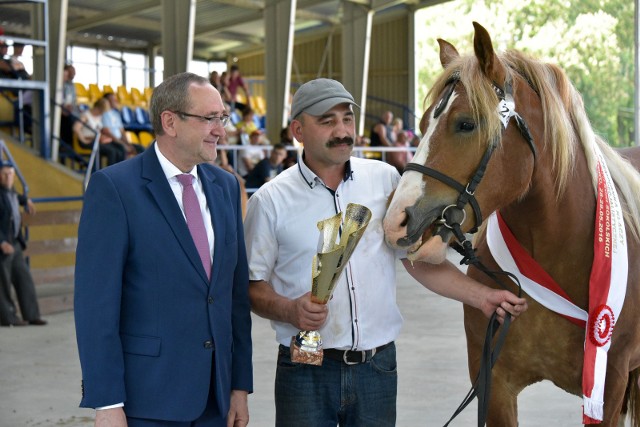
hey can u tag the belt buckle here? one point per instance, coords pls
(347, 362)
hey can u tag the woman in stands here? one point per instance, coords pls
(90, 125)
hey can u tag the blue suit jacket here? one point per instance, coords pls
(148, 322)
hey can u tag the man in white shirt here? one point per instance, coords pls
(357, 382)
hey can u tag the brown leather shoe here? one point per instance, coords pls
(16, 322)
(38, 322)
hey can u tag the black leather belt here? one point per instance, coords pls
(350, 357)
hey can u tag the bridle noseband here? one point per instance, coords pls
(506, 110)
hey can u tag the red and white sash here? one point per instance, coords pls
(607, 284)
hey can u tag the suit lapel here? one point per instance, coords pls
(216, 203)
(161, 191)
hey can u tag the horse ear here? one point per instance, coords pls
(484, 52)
(447, 52)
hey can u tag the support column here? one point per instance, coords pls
(279, 21)
(356, 47)
(178, 23)
(410, 119)
(40, 106)
(57, 57)
(636, 99)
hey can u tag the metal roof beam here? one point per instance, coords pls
(105, 17)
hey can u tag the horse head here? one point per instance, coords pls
(470, 161)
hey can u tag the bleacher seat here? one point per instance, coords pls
(148, 91)
(124, 97)
(107, 89)
(82, 94)
(132, 137)
(142, 117)
(128, 120)
(94, 93)
(146, 138)
(137, 98)
(235, 117)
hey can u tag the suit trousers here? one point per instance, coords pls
(16, 271)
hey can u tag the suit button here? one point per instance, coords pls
(208, 344)
(210, 300)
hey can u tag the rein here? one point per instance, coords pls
(506, 110)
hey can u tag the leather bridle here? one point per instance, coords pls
(506, 110)
(491, 348)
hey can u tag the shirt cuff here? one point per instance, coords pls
(117, 405)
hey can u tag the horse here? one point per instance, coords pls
(515, 129)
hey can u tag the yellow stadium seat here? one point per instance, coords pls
(124, 98)
(82, 94)
(79, 148)
(94, 93)
(148, 91)
(146, 138)
(137, 98)
(132, 137)
(107, 89)
(259, 105)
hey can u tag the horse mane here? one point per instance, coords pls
(566, 123)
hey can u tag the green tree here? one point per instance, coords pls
(592, 40)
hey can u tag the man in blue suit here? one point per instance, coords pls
(163, 325)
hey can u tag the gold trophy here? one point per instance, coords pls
(328, 263)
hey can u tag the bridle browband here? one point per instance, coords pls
(491, 349)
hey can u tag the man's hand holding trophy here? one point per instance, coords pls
(338, 240)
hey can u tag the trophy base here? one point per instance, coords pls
(301, 355)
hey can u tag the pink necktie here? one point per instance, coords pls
(195, 221)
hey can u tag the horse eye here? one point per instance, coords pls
(466, 126)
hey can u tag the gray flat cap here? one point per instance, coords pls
(318, 96)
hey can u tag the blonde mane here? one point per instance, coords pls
(566, 124)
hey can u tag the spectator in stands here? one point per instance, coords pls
(251, 154)
(16, 63)
(70, 109)
(6, 72)
(14, 269)
(114, 129)
(382, 132)
(399, 159)
(267, 169)
(286, 139)
(162, 316)
(247, 125)
(224, 85)
(214, 79)
(90, 124)
(12, 68)
(236, 82)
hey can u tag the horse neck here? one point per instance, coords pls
(558, 232)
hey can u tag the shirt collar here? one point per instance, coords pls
(312, 179)
(170, 170)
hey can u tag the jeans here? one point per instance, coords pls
(335, 393)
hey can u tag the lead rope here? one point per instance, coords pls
(482, 385)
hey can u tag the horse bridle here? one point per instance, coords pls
(491, 348)
(506, 110)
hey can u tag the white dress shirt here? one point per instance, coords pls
(172, 172)
(282, 237)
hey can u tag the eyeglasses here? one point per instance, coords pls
(211, 121)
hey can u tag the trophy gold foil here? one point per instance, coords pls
(327, 266)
